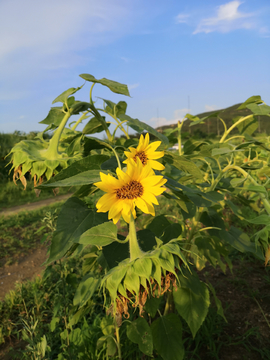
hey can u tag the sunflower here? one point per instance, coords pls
(138, 186)
(146, 153)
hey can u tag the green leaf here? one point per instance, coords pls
(100, 235)
(55, 116)
(114, 86)
(184, 164)
(86, 290)
(140, 126)
(38, 168)
(73, 220)
(173, 231)
(221, 151)
(256, 189)
(63, 97)
(83, 178)
(93, 126)
(259, 109)
(260, 220)
(210, 249)
(132, 281)
(167, 337)
(140, 333)
(217, 301)
(152, 304)
(143, 267)
(248, 126)
(192, 307)
(158, 225)
(91, 162)
(240, 241)
(256, 99)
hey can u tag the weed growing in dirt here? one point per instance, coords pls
(23, 232)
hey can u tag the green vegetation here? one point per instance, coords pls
(39, 316)
(152, 284)
(21, 233)
(12, 195)
(213, 127)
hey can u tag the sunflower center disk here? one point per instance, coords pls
(130, 191)
(142, 156)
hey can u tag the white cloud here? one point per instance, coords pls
(178, 115)
(182, 18)
(227, 18)
(210, 107)
(46, 35)
(133, 86)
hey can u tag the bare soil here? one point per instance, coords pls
(33, 206)
(25, 268)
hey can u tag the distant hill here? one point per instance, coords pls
(215, 126)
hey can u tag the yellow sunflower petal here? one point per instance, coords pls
(151, 180)
(156, 165)
(150, 198)
(155, 155)
(105, 202)
(115, 209)
(153, 146)
(141, 204)
(127, 209)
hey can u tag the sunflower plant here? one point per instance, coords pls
(144, 259)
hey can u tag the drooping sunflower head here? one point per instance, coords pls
(146, 153)
(138, 186)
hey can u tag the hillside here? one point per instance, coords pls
(214, 126)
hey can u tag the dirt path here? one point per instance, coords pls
(33, 206)
(26, 268)
(29, 265)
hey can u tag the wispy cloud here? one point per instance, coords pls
(54, 33)
(228, 17)
(210, 107)
(182, 18)
(178, 115)
(133, 86)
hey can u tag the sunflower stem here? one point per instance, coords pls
(134, 249)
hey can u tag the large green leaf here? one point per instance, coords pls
(158, 225)
(55, 116)
(139, 332)
(140, 126)
(63, 97)
(114, 86)
(192, 307)
(93, 126)
(248, 126)
(256, 99)
(88, 285)
(184, 164)
(73, 220)
(173, 231)
(240, 241)
(100, 235)
(83, 178)
(152, 304)
(91, 162)
(167, 337)
(260, 220)
(259, 109)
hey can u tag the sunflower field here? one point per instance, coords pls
(145, 267)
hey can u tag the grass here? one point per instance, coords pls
(22, 232)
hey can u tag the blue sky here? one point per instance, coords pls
(217, 53)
